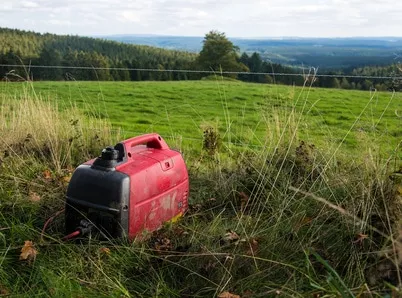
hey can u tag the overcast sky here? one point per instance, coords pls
(237, 18)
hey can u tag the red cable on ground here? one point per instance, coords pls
(71, 235)
(48, 222)
(65, 238)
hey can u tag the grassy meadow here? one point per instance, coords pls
(240, 111)
(294, 191)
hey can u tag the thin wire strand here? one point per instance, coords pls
(200, 71)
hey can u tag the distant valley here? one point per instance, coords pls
(325, 53)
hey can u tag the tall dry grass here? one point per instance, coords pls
(330, 218)
(34, 126)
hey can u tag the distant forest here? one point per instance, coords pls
(21, 47)
(29, 48)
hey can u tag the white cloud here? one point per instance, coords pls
(58, 22)
(202, 14)
(6, 6)
(130, 16)
(29, 4)
(196, 17)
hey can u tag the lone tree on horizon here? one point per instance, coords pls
(219, 53)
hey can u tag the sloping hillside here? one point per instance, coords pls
(18, 46)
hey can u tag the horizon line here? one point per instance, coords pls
(100, 35)
(245, 37)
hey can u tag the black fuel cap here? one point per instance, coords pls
(107, 159)
(109, 153)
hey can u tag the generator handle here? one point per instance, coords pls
(152, 140)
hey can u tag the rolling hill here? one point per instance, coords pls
(326, 53)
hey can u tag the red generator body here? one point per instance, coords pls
(133, 187)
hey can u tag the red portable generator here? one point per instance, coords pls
(132, 187)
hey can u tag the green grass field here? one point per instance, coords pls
(240, 111)
(302, 199)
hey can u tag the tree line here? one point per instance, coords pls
(19, 47)
(218, 53)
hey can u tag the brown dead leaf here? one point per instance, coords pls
(163, 244)
(231, 236)
(195, 208)
(360, 237)
(253, 247)
(105, 251)
(47, 174)
(243, 200)
(228, 295)
(307, 220)
(178, 231)
(28, 251)
(3, 291)
(34, 197)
